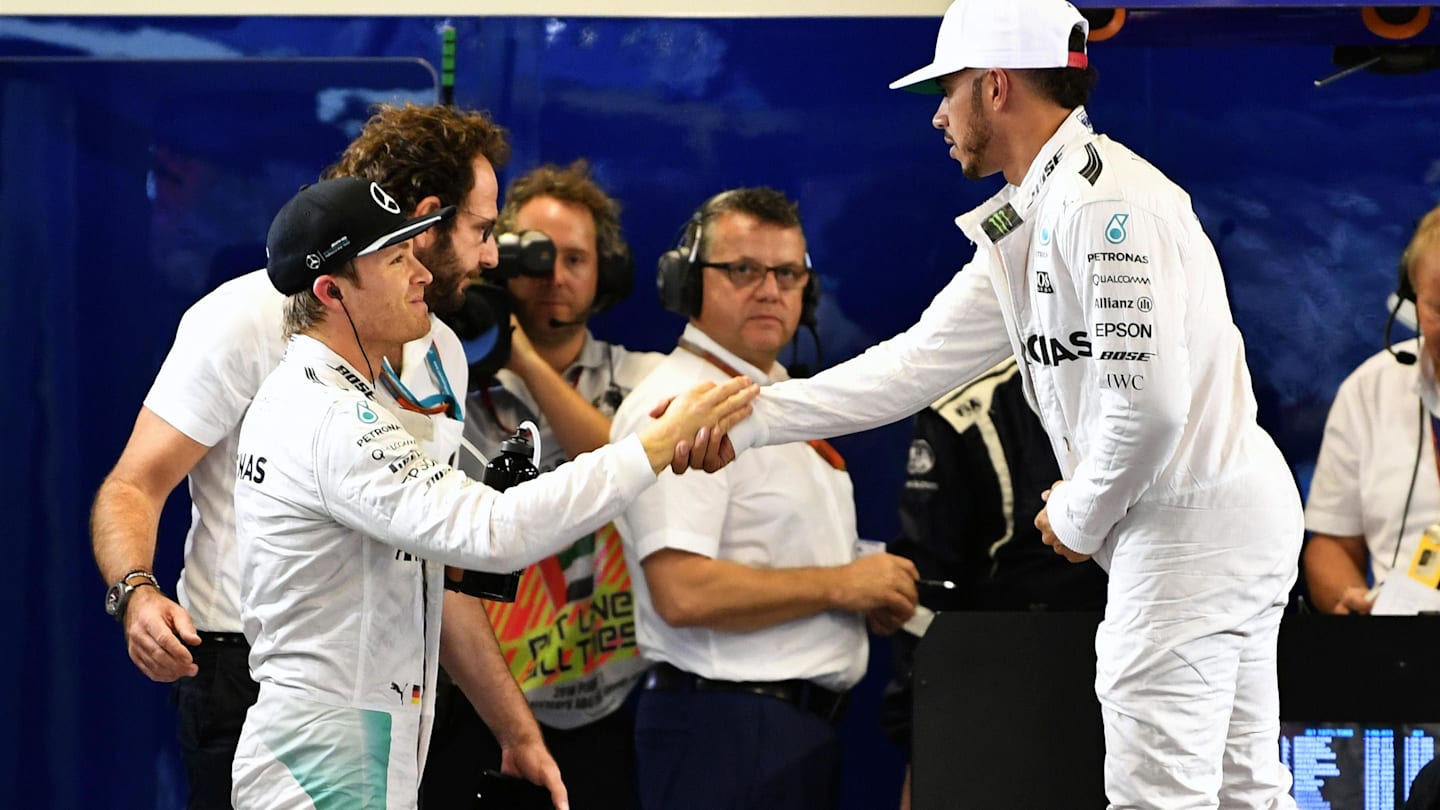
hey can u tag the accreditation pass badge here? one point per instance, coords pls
(1425, 568)
(864, 548)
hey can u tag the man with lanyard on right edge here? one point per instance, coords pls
(570, 634)
(1372, 496)
(1092, 269)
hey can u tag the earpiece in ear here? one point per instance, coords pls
(335, 292)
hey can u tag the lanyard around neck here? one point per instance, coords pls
(443, 402)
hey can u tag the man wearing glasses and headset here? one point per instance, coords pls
(748, 593)
(433, 156)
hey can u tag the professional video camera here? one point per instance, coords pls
(530, 253)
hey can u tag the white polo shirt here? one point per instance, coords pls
(773, 507)
(1368, 458)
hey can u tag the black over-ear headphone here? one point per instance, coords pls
(677, 274)
(615, 279)
(679, 281)
(1404, 289)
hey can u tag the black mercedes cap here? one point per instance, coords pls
(328, 224)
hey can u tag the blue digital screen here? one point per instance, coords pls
(1355, 766)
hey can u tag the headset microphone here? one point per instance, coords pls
(1404, 291)
(585, 315)
(1403, 357)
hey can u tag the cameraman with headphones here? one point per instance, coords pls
(570, 636)
(752, 601)
(1377, 482)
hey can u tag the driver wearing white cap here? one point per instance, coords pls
(343, 521)
(1092, 268)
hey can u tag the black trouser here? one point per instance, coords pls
(211, 708)
(597, 761)
(733, 750)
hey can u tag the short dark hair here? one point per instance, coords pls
(763, 203)
(572, 184)
(1067, 87)
(417, 151)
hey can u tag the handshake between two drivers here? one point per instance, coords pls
(692, 431)
(691, 428)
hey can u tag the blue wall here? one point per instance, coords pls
(128, 188)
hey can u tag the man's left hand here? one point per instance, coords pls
(885, 621)
(1047, 534)
(532, 762)
(523, 356)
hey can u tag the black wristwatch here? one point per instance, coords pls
(119, 594)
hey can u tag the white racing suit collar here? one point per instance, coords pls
(1003, 213)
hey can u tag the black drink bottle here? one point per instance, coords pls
(512, 466)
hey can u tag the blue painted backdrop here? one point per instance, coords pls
(141, 160)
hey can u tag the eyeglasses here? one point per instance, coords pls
(489, 232)
(747, 273)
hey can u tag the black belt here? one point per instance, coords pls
(223, 639)
(828, 704)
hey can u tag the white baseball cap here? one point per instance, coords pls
(1001, 34)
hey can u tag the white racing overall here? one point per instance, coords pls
(344, 523)
(1095, 273)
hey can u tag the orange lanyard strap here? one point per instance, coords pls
(826, 450)
(443, 402)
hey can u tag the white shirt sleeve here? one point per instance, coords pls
(224, 348)
(388, 489)
(958, 337)
(1141, 361)
(1334, 506)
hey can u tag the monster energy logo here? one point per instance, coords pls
(1000, 223)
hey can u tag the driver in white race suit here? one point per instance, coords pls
(1091, 268)
(344, 523)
